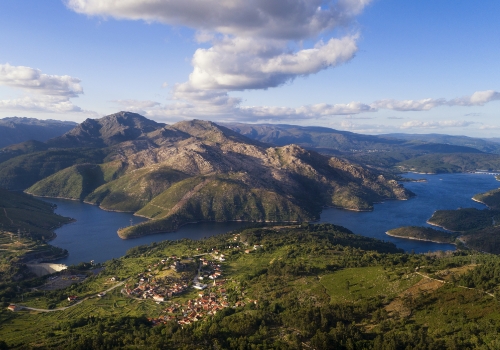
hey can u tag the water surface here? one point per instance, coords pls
(442, 191)
(93, 236)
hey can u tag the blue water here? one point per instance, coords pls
(93, 236)
(442, 191)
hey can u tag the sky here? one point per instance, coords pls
(366, 66)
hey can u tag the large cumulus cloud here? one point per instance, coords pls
(255, 44)
(276, 19)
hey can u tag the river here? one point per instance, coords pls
(93, 236)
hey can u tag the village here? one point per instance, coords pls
(173, 276)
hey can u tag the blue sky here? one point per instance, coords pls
(377, 66)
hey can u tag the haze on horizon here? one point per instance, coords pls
(367, 66)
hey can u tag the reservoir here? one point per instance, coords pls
(442, 191)
(93, 236)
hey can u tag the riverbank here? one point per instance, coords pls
(420, 239)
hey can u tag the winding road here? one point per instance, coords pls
(67, 307)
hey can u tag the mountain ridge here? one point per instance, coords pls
(197, 170)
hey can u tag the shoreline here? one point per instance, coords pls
(420, 239)
(202, 221)
(478, 201)
(436, 225)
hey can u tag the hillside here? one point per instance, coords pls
(16, 130)
(196, 171)
(484, 145)
(423, 234)
(280, 287)
(331, 141)
(490, 198)
(19, 173)
(451, 163)
(29, 216)
(107, 131)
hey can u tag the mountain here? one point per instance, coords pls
(382, 152)
(107, 131)
(484, 145)
(197, 170)
(16, 130)
(341, 142)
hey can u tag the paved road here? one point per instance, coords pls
(67, 307)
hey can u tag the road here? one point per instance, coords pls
(67, 307)
(441, 281)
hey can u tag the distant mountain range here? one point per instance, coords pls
(431, 153)
(485, 145)
(16, 130)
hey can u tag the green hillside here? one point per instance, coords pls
(301, 287)
(424, 234)
(19, 149)
(23, 171)
(217, 198)
(490, 198)
(134, 190)
(451, 163)
(22, 213)
(462, 220)
(77, 181)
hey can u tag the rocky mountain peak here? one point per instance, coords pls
(107, 131)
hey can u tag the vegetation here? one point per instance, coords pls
(451, 163)
(424, 234)
(464, 219)
(25, 224)
(23, 214)
(77, 181)
(23, 171)
(314, 286)
(490, 198)
(134, 190)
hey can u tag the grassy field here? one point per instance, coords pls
(366, 282)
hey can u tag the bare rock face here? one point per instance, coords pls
(197, 170)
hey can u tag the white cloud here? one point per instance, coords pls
(436, 124)
(255, 44)
(45, 93)
(130, 103)
(303, 112)
(48, 104)
(409, 105)
(478, 98)
(248, 63)
(34, 80)
(276, 19)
